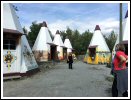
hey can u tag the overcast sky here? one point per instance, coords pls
(80, 16)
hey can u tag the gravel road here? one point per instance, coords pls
(83, 80)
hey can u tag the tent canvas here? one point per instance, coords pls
(124, 31)
(58, 41)
(68, 45)
(98, 51)
(102, 46)
(18, 57)
(43, 43)
(125, 27)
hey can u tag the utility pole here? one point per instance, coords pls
(120, 26)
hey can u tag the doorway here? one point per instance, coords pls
(53, 52)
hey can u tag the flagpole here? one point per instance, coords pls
(120, 27)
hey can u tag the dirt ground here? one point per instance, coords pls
(83, 80)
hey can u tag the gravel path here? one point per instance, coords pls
(83, 80)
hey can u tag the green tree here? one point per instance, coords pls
(75, 40)
(52, 37)
(25, 30)
(34, 30)
(110, 40)
(63, 35)
(69, 33)
(79, 41)
(85, 40)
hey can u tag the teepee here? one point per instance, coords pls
(126, 32)
(18, 57)
(124, 37)
(44, 49)
(68, 45)
(98, 51)
(58, 41)
(125, 28)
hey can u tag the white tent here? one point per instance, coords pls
(98, 51)
(68, 45)
(43, 43)
(125, 27)
(18, 57)
(58, 41)
(125, 34)
(98, 40)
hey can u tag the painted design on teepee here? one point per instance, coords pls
(28, 56)
(98, 51)
(12, 30)
(9, 59)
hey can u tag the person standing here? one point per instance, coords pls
(114, 85)
(70, 60)
(121, 71)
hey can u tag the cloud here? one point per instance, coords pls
(106, 25)
(76, 16)
(109, 25)
(61, 25)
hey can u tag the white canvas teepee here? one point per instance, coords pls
(124, 32)
(58, 41)
(125, 27)
(10, 19)
(28, 59)
(98, 51)
(98, 40)
(18, 57)
(43, 44)
(68, 45)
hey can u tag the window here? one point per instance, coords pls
(9, 44)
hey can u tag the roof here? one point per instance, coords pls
(57, 32)
(44, 24)
(94, 46)
(10, 19)
(42, 39)
(97, 27)
(98, 39)
(51, 44)
(67, 43)
(63, 46)
(124, 42)
(57, 39)
(12, 31)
